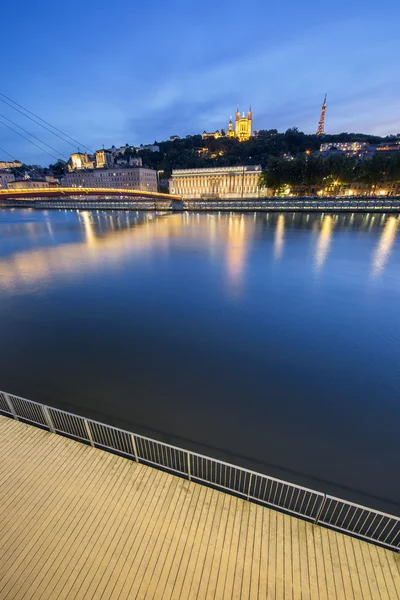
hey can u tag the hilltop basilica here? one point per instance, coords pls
(242, 131)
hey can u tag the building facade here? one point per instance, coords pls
(80, 160)
(10, 164)
(138, 178)
(28, 184)
(5, 179)
(219, 182)
(104, 159)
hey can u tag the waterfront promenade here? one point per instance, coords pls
(78, 522)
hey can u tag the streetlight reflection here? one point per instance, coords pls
(324, 242)
(384, 248)
(279, 237)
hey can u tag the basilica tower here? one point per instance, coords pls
(244, 126)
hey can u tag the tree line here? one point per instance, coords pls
(322, 172)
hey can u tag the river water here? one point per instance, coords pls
(268, 340)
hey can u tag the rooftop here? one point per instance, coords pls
(79, 522)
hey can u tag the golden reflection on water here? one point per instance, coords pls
(89, 229)
(384, 248)
(237, 242)
(105, 238)
(323, 243)
(279, 237)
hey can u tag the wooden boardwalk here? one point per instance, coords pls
(81, 523)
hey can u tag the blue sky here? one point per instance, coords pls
(145, 71)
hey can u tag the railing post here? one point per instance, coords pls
(188, 466)
(321, 506)
(248, 491)
(135, 452)
(48, 419)
(88, 432)
(10, 406)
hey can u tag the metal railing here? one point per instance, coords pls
(316, 507)
(296, 204)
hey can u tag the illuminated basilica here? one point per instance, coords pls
(242, 131)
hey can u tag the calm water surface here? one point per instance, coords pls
(268, 340)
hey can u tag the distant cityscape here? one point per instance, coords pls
(236, 162)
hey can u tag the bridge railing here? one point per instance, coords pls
(311, 505)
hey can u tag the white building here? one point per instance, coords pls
(138, 178)
(151, 147)
(219, 182)
(5, 179)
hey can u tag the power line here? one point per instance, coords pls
(43, 121)
(33, 135)
(38, 123)
(30, 141)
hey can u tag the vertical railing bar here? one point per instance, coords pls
(188, 466)
(345, 516)
(334, 504)
(271, 487)
(108, 437)
(280, 495)
(87, 427)
(320, 509)
(265, 482)
(340, 512)
(157, 451)
(373, 533)
(10, 406)
(248, 489)
(361, 514)
(370, 525)
(48, 419)
(394, 525)
(291, 497)
(135, 452)
(152, 446)
(276, 490)
(286, 495)
(175, 463)
(303, 497)
(308, 503)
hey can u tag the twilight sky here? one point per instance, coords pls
(141, 72)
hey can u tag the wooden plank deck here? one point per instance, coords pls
(81, 523)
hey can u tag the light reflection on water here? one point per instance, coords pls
(110, 235)
(384, 248)
(209, 328)
(324, 241)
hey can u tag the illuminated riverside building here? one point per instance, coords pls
(5, 179)
(218, 182)
(242, 131)
(28, 184)
(138, 178)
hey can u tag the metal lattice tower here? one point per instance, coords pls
(321, 124)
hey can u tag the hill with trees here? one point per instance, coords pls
(290, 158)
